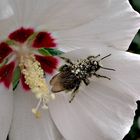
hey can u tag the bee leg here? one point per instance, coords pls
(86, 81)
(67, 60)
(74, 93)
(93, 56)
(102, 76)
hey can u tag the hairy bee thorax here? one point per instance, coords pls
(85, 68)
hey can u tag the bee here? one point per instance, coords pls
(72, 74)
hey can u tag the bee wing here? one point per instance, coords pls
(54, 79)
(56, 83)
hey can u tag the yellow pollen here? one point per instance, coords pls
(34, 78)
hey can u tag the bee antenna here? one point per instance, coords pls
(105, 57)
(107, 68)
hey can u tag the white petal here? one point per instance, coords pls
(5, 9)
(51, 14)
(8, 20)
(56, 15)
(25, 125)
(67, 14)
(104, 110)
(84, 21)
(6, 108)
(115, 27)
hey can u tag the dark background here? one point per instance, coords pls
(135, 45)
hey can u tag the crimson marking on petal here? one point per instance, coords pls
(45, 40)
(48, 63)
(21, 34)
(5, 50)
(24, 85)
(6, 74)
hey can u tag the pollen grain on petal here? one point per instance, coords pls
(44, 40)
(21, 34)
(5, 50)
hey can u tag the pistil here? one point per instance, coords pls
(35, 79)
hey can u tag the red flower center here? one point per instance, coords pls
(22, 42)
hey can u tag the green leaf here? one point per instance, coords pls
(44, 51)
(3, 63)
(32, 37)
(54, 52)
(10, 42)
(50, 52)
(16, 77)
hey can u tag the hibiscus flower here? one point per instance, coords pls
(101, 111)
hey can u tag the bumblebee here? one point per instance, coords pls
(72, 74)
